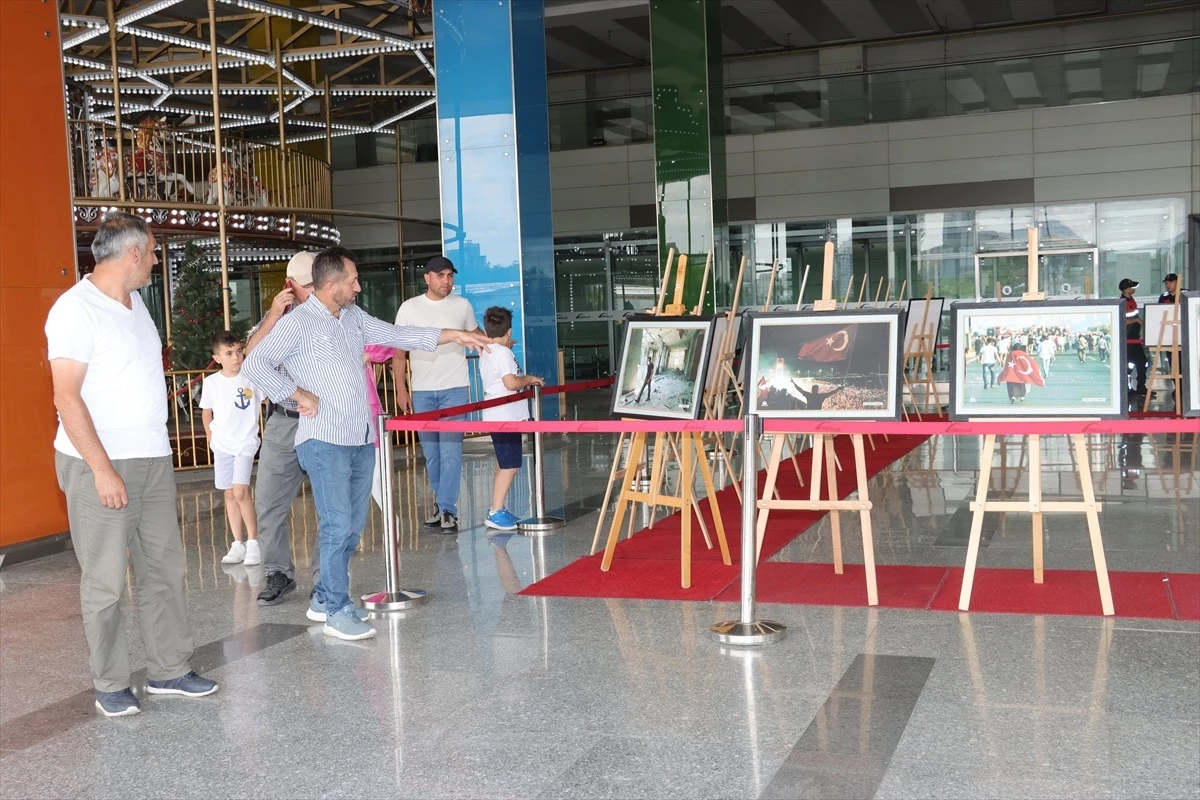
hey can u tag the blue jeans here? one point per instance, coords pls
(443, 451)
(989, 375)
(341, 481)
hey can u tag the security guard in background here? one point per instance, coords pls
(1135, 352)
(1171, 284)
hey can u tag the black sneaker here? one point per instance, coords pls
(435, 521)
(278, 585)
(449, 522)
(117, 704)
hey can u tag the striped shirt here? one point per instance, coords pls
(288, 404)
(323, 354)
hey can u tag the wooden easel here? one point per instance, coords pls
(823, 457)
(1171, 331)
(686, 449)
(918, 353)
(1035, 505)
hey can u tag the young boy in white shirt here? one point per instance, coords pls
(499, 372)
(230, 405)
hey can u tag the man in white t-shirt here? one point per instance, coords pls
(439, 380)
(1047, 350)
(989, 356)
(114, 464)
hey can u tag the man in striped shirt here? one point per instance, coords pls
(321, 345)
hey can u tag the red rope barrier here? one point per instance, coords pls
(467, 408)
(930, 428)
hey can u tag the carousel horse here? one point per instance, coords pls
(104, 179)
(149, 167)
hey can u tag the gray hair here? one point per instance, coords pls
(117, 233)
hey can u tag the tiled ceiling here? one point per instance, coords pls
(600, 34)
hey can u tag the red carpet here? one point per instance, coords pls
(646, 566)
(817, 584)
(1185, 592)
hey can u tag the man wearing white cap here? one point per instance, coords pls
(279, 473)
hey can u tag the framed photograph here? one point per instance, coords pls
(921, 309)
(662, 368)
(1038, 359)
(1190, 368)
(828, 365)
(1158, 317)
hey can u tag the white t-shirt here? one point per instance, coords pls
(234, 403)
(988, 354)
(497, 362)
(124, 388)
(445, 367)
(1047, 349)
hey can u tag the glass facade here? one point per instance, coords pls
(1155, 69)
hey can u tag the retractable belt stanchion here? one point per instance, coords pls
(392, 598)
(539, 524)
(747, 630)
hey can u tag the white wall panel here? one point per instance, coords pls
(1139, 110)
(1145, 183)
(828, 157)
(1168, 155)
(774, 184)
(962, 170)
(971, 125)
(980, 146)
(1113, 134)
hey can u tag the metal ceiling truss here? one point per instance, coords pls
(365, 94)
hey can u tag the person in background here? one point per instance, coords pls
(439, 381)
(1135, 352)
(321, 345)
(501, 377)
(114, 464)
(230, 413)
(279, 472)
(1047, 350)
(989, 356)
(1170, 288)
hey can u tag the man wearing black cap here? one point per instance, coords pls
(1133, 333)
(1171, 284)
(439, 380)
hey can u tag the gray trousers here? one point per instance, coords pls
(148, 530)
(279, 479)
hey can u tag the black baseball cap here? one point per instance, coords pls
(439, 264)
(1126, 283)
(1171, 276)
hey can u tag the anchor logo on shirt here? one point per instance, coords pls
(244, 396)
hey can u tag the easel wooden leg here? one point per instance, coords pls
(772, 474)
(1035, 502)
(1093, 518)
(656, 472)
(835, 523)
(692, 503)
(977, 510)
(718, 522)
(637, 445)
(612, 477)
(868, 539)
(685, 492)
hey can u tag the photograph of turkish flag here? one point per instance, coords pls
(837, 346)
(1021, 368)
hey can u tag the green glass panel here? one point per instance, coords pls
(689, 131)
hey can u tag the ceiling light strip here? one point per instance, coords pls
(406, 113)
(320, 21)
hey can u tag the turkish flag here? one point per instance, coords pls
(834, 347)
(1020, 368)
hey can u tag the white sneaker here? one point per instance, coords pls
(236, 554)
(253, 554)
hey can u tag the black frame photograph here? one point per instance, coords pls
(825, 365)
(1050, 358)
(663, 367)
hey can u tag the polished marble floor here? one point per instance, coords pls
(486, 694)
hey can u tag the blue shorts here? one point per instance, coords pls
(508, 450)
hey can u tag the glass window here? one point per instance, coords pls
(1142, 240)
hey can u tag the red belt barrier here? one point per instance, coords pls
(931, 428)
(467, 408)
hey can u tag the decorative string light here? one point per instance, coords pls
(320, 21)
(406, 113)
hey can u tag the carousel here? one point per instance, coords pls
(215, 120)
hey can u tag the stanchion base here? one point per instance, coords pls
(540, 526)
(395, 601)
(763, 631)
